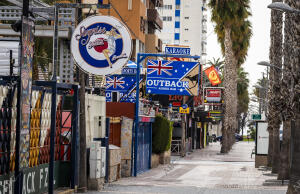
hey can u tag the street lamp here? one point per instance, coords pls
(279, 6)
(267, 64)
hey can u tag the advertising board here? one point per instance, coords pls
(262, 138)
(172, 78)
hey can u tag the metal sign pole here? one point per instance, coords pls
(140, 58)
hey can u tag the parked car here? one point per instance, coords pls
(237, 137)
(219, 138)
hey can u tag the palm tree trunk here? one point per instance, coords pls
(285, 152)
(294, 185)
(286, 108)
(230, 94)
(276, 60)
(270, 150)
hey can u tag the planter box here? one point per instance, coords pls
(165, 158)
(154, 160)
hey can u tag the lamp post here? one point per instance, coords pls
(259, 94)
(267, 64)
(279, 6)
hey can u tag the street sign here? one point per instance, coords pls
(172, 77)
(101, 45)
(123, 85)
(184, 110)
(215, 114)
(256, 117)
(129, 71)
(178, 50)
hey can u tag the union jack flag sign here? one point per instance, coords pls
(160, 67)
(124, 85)
(172, 77)
(115, 82)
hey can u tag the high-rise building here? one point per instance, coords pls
(184, 24)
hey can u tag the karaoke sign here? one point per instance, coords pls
(101, 45)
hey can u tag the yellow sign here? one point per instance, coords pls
(198, 124)
(184, 111)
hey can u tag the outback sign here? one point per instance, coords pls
(101, 45)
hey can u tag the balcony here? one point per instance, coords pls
(154, 17)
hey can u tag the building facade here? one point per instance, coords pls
(184, 24)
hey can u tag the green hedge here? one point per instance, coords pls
(161, 134)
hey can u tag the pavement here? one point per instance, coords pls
(204, 171)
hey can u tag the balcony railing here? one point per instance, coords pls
(153, 16)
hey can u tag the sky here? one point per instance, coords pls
(259, 43)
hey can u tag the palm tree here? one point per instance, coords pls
(243, 98)
(274, 119)
(286, 107)
(234, 32)
(294, 185)
(218, 63)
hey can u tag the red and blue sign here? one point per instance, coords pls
(172, 77)
(101, 45)
(124, 85)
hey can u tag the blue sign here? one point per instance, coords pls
(172, 77)
(184, 106)
(124, 85)
(178, 50)
(129, 71)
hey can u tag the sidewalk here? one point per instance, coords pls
(210, 169)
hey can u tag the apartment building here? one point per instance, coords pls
(184, 24)
(142, 19)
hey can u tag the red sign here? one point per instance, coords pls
(176, 103)
(212, 95)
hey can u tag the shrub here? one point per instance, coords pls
(161, 134)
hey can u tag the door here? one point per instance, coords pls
(115, 134)
(144, 147)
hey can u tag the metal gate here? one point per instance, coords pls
(144, 147)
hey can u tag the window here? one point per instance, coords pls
(177, 36)
(177, 12)
(167, 18)
(186, 29)
(177, 24)
(167, 6)
(186, 18)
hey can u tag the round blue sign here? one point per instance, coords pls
(101, 45)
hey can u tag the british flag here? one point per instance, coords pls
(159, 67)
(115, 82)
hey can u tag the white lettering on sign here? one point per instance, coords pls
(167, 83)
(6, 186)
(46, 177)
(177, 50)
